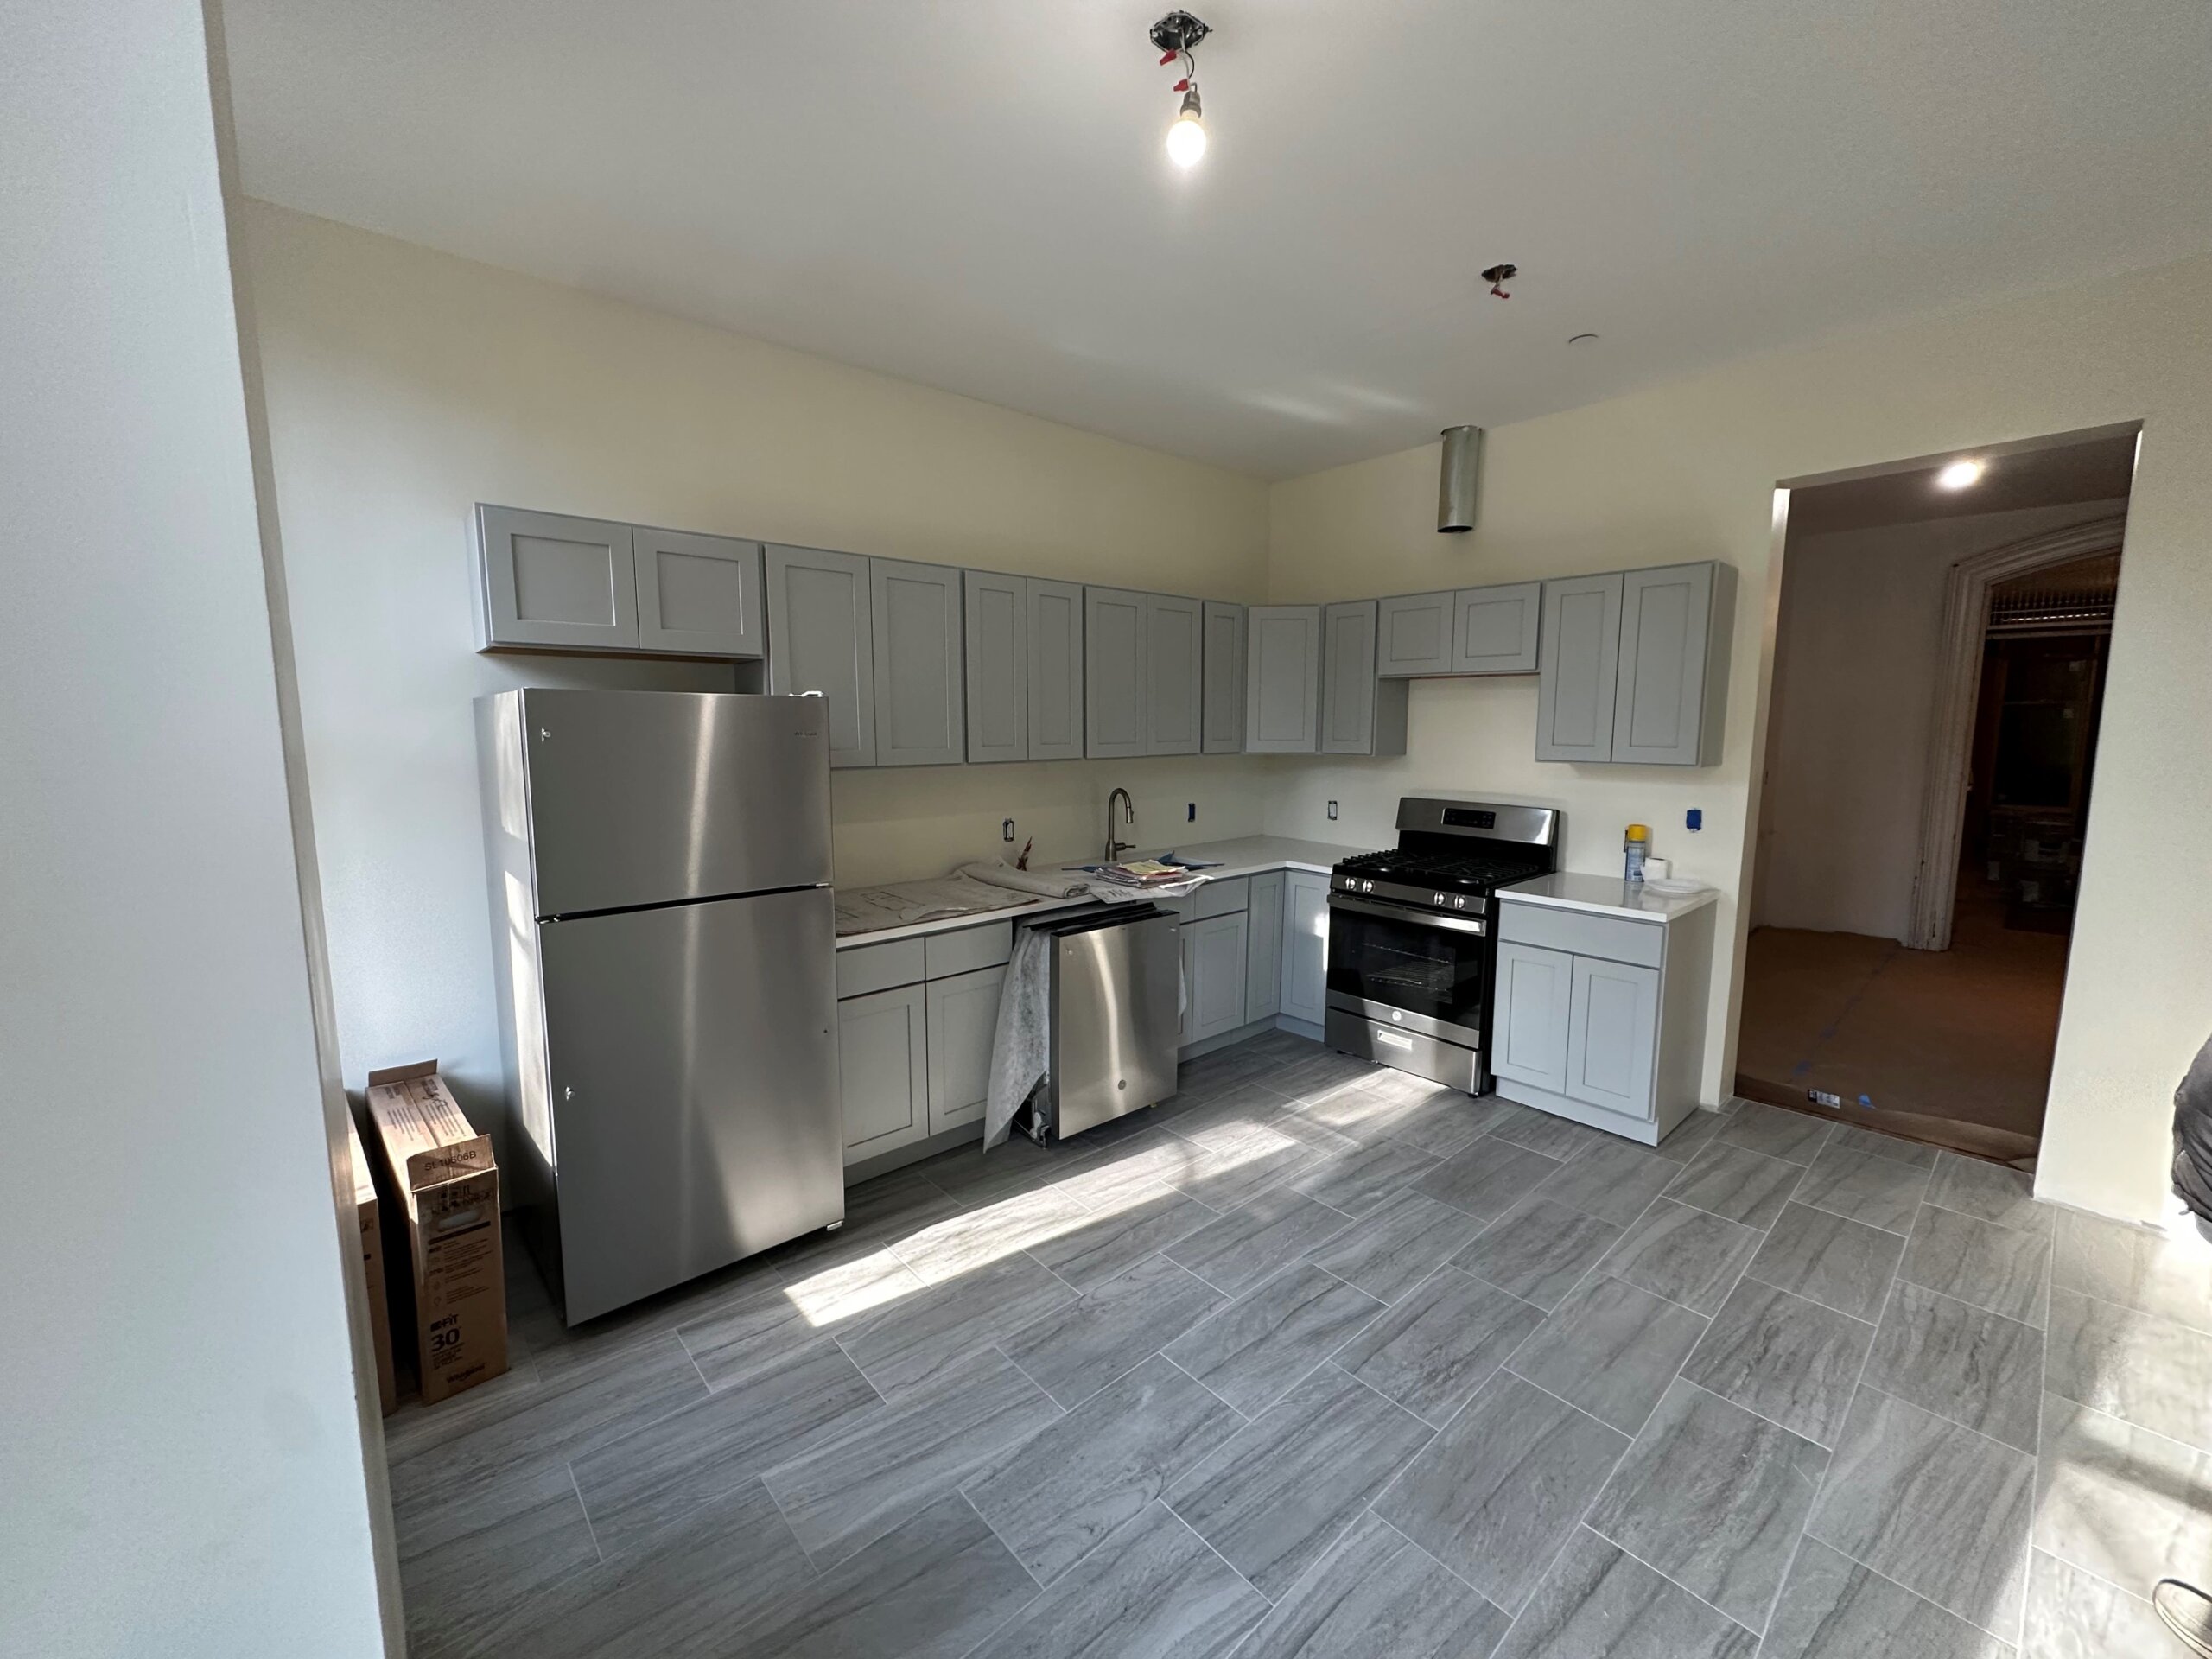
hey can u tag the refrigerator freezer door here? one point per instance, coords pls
(693, 1059)
(645, 798)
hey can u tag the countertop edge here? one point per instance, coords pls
(1675, 908)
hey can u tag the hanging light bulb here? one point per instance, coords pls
(1186, 137)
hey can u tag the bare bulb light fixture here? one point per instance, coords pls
(1176, 36)
(1959, 476)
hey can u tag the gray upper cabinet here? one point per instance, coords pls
(545, 579)
(1223, 714)
(1174, 650)
(997, 644)
(1673, 681)
(820, 640)
(1055, 680)
(1114, 708)
(1581, 664)
(1283, 679)
(918, 695)
(698, 596)
(1413, 635)
(1497, 630)
(1635, 666)
(1360, 714)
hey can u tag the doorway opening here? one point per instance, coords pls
(1940, 661)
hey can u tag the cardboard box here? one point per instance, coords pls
(449, 1190)
(366, 1212)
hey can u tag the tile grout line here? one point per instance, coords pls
(593, 1531)
(1270, 1601)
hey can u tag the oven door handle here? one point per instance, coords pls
(1407, 913)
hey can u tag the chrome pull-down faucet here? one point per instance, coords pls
(1115, 846)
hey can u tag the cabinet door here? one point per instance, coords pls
(883, 1070)
(1528, 1035)
(699, 595)
(1174, 650)
(1580, 661)
(919, 701)
(546, 579)
(1659, 702)
(1263, 947)
(1305, 946)
(1114, 704)
(1495, 630)
(1413, 635)
(1055, 670)
(1283, 679)
(1219, 996)
(1348, 678)
(820, 640)
(963, 1018)
(1612, 1035)
(1224, 719)
(997, 644)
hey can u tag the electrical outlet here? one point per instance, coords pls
(1191, 813)
(1822, 1097)
(1694, 819)
(1006, 830)
(1332, 811)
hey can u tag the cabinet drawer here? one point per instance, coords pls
(969, 949)
(1224, 897)
(869, 968)
(1582, 934)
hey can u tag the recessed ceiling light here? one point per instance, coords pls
(1959, 476)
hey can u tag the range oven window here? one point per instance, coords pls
(1411, 965)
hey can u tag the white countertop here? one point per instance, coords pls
(1608, 895)
(1244, 855)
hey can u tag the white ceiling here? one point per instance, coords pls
(976, 196)
(2102, 469)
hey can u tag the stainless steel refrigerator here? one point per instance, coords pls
(663, 940)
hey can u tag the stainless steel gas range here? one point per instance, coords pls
(1413, 935)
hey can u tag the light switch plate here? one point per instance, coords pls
(1332, 811)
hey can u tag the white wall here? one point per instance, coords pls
(1854, 692)
(182, 1460)
(1686, 471)
(404, 386)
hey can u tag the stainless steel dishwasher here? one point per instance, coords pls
(1116, 990)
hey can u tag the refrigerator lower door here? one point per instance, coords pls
(693, 1061)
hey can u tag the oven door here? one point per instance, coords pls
(1412, 967)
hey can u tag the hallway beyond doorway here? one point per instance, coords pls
(1959, 1040)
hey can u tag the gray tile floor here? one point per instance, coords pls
(1316, 1360)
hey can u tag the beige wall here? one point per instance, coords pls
(404, 386)
(1686, 471)
(1860, 636)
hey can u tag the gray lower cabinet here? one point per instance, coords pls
(996, 613)
(1612, 1033)
(1055, 678)
(1263, 947)
(698, 596)
(1635, 666)
(883, 1070)
(820, 640)
(1174, 673)
(1215, 948)
(1305, 946)
(1114, 706)
(1497, 630)
(963, 1013)
(1283, 679)
(547, 579)
(1601, 1012)
(1360, 714)
(1222, 719)
(1528, 1035)
(1414, 634)
(920, 698)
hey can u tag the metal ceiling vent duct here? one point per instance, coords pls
(1455, 491)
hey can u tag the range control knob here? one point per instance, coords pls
(1367, 886)
(1437, 898)
(1460, 903)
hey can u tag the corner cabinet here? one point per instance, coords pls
(1635, 666)
(820, 620)
(1305, 947)
(1263, 947)
(1600, 1015)
(1361, 713)
(1222, 721)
